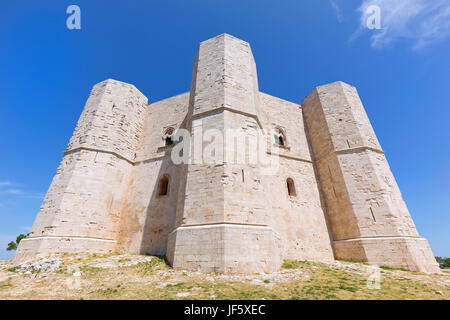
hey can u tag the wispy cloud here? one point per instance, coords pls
(15, 189)
(421, 21)
(34, 195)
(338, 10)
(7, 184)
(24, 194)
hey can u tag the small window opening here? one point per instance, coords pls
(280, 138)
(168, 137)
(164, 185)
(169, 141)
(291, 187)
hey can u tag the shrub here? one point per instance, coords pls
(444, 263)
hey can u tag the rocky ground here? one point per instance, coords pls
(127, 276)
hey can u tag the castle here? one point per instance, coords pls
(163, 179)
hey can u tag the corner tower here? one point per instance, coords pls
(222, 217)
(369, 219)
(82, 206)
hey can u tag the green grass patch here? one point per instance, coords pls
(346, 288)
(61, 271)
(5, 285)
(109, 291)
(90, 269)
(294, 264)
(390, 268)
(350, 260)
(150, 267)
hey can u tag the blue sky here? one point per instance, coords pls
(401, 72)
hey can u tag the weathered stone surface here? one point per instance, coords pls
(232, 216)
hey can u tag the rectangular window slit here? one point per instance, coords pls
(243, 176)
(373, 216)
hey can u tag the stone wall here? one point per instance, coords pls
(299, 220)
(148, 218)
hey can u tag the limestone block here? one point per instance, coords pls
(224, 248)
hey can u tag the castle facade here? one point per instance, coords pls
(225, 178)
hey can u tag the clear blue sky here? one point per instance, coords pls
(401, 72)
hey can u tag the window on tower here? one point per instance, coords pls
(164, 185)
(168, 137)
(291, 187)
(280, 137)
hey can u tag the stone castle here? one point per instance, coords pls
(332, 195)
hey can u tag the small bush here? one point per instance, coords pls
(14, 244)
(444, 263)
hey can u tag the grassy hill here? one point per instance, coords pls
(126, 276)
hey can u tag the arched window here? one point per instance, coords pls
(280, 137)
(168, 137)
(291, 187)
(164, 185)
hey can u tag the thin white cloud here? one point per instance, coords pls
(337, 9)
(22, 194)
(422, 22)
(7, 184)
(31, 195)
(13, 191)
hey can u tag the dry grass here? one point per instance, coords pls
(144, 277)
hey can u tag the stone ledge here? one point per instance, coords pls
(396, 252)
(38, 247)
